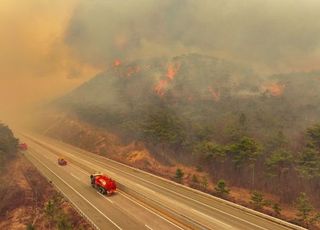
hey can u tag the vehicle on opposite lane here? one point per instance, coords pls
(23, 146)
(62, 161)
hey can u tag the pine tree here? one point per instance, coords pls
(195, 181)
(304, 207)
(30, 227)
(179, 175)
(63, 223)
(50, 209)
(221, 188)
(313, 134)
(246, 150)
(276, 208)
(308, 163)
(279, 162)
(204, 183)
(257, 200)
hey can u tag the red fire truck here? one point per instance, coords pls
(103, 183)
(23, 146)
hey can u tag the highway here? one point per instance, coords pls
(143, 201)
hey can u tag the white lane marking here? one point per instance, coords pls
(213, 219)
(81, 170)
(74, 176)
(210, 207)
(149, 210)
(44, 155)
(79, 209)
(148, 227)
(108, 200)
(105, 197)
(78, 193)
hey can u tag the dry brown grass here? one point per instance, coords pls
(24, 192)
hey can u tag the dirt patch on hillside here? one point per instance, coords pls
(24, 193)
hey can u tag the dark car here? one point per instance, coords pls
(62, 161)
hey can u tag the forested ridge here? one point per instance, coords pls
(253, 131)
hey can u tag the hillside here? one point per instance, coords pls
(256, 132)
(198, 90)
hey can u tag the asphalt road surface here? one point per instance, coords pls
(181, 207)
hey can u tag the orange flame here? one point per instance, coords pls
(172, 70)
(274, 89)
(215, 94)
(161, 87)
(116, 63)
(190, 98)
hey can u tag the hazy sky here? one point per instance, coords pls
(48, 47)
(35, 63)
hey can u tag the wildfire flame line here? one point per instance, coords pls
(274, 89)
(163, 84)
(215, 94)
(172, 70)
(160, 87)
(116, 63)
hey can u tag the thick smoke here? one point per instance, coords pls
(50, 47)
(273, 34)
(35, 63)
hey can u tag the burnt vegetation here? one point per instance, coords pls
(261, 133)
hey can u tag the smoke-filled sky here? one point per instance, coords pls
(49, 47)
(35, 64)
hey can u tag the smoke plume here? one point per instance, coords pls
(50, 47)
(271, 34)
